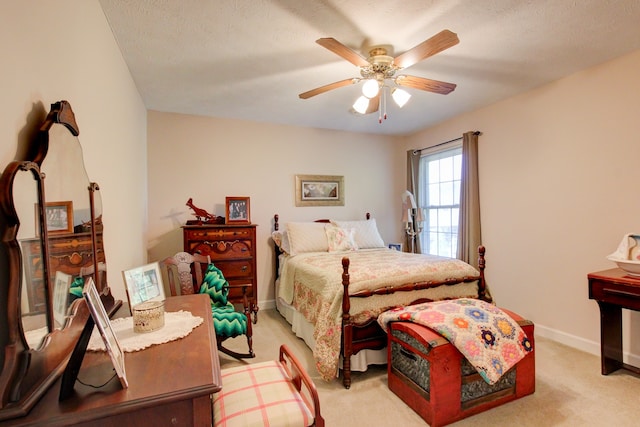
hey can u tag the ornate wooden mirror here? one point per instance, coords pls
(51, 239)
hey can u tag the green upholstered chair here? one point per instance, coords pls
(194, 273)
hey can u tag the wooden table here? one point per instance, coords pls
(613, 290)
(169, 384)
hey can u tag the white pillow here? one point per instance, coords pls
(340, 239)
(282, 240)
(367, 234)
(307, 237)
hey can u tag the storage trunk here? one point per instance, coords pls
(431, 376)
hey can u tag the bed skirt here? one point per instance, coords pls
(303, 329)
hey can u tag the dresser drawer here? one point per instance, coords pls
(219, 234)
(236, 269)
(235, 290)
(616, 293)
(223, 249)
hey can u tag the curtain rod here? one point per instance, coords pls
(446, 142)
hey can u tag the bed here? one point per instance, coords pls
(333, 279)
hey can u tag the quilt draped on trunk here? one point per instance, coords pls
(488, 337)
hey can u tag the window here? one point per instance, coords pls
(439, 176)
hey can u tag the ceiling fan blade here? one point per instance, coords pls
(429, 85)
(326, 88)
(441, 41)
(374, 104)
(341, 50)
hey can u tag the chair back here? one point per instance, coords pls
(89, 270)
(181, 269)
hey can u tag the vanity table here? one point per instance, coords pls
(613, 290)
(169, 384)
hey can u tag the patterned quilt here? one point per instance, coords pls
(312, 283)
(489, 338)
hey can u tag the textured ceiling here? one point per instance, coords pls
(249, 59)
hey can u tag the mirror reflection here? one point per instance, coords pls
(68, 221)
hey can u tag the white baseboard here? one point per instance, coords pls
(266, 305)
(591, 347)
(582, 344)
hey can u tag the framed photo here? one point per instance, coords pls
(103, 324)
(396, 246)
(58, 216)
(319, 190)
(61, 297)
(144, 284)
(237, 210)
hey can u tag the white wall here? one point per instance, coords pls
(559, 188)
(208, 159)
(65, 50)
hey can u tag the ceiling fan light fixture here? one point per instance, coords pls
(370, 88)
(400, 96)
(361, 104)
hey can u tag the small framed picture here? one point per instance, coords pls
(396, 246)
(103, 324)
(61, 297)
(58, 217)
(144, 284)
(237, 210)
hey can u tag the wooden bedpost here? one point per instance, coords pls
(482, 285)
(276, 227)
(347, 327)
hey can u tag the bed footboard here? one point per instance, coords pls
(370, 335)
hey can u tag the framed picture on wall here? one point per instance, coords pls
(237, 210)
(319, 190)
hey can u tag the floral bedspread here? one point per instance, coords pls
(489, 338)
(312, 283)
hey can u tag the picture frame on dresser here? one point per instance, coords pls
(237, 210)
(58, 217)
(144, 284)
(60, 297)
(103, 324)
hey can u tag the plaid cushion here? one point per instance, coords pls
(259, 394)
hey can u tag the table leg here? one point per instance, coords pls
(610, 337)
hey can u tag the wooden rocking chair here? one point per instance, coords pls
(228, 323)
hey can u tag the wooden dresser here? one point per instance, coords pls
(68, 252)
(232, 249)
(170, 384)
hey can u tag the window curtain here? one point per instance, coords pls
(413, 163)
(469, 236)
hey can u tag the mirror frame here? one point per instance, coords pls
(27, 373)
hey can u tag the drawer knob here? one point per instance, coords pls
(244, 268)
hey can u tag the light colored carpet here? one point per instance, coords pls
(570, 391)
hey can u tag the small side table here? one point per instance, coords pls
(613, 290)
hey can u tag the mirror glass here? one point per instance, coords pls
(68, 222)
(32, 306)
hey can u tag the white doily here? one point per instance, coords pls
(177, 324)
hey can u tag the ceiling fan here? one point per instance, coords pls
(379, 69)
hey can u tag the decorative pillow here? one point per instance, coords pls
(367, 234)
(282, 240)
(340, 239)
(307, 237)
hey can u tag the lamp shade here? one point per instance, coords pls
(361, 104)
(370, 88)
(400, 96)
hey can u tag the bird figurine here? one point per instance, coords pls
(199, 213)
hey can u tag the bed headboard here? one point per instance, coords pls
(276, 227)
